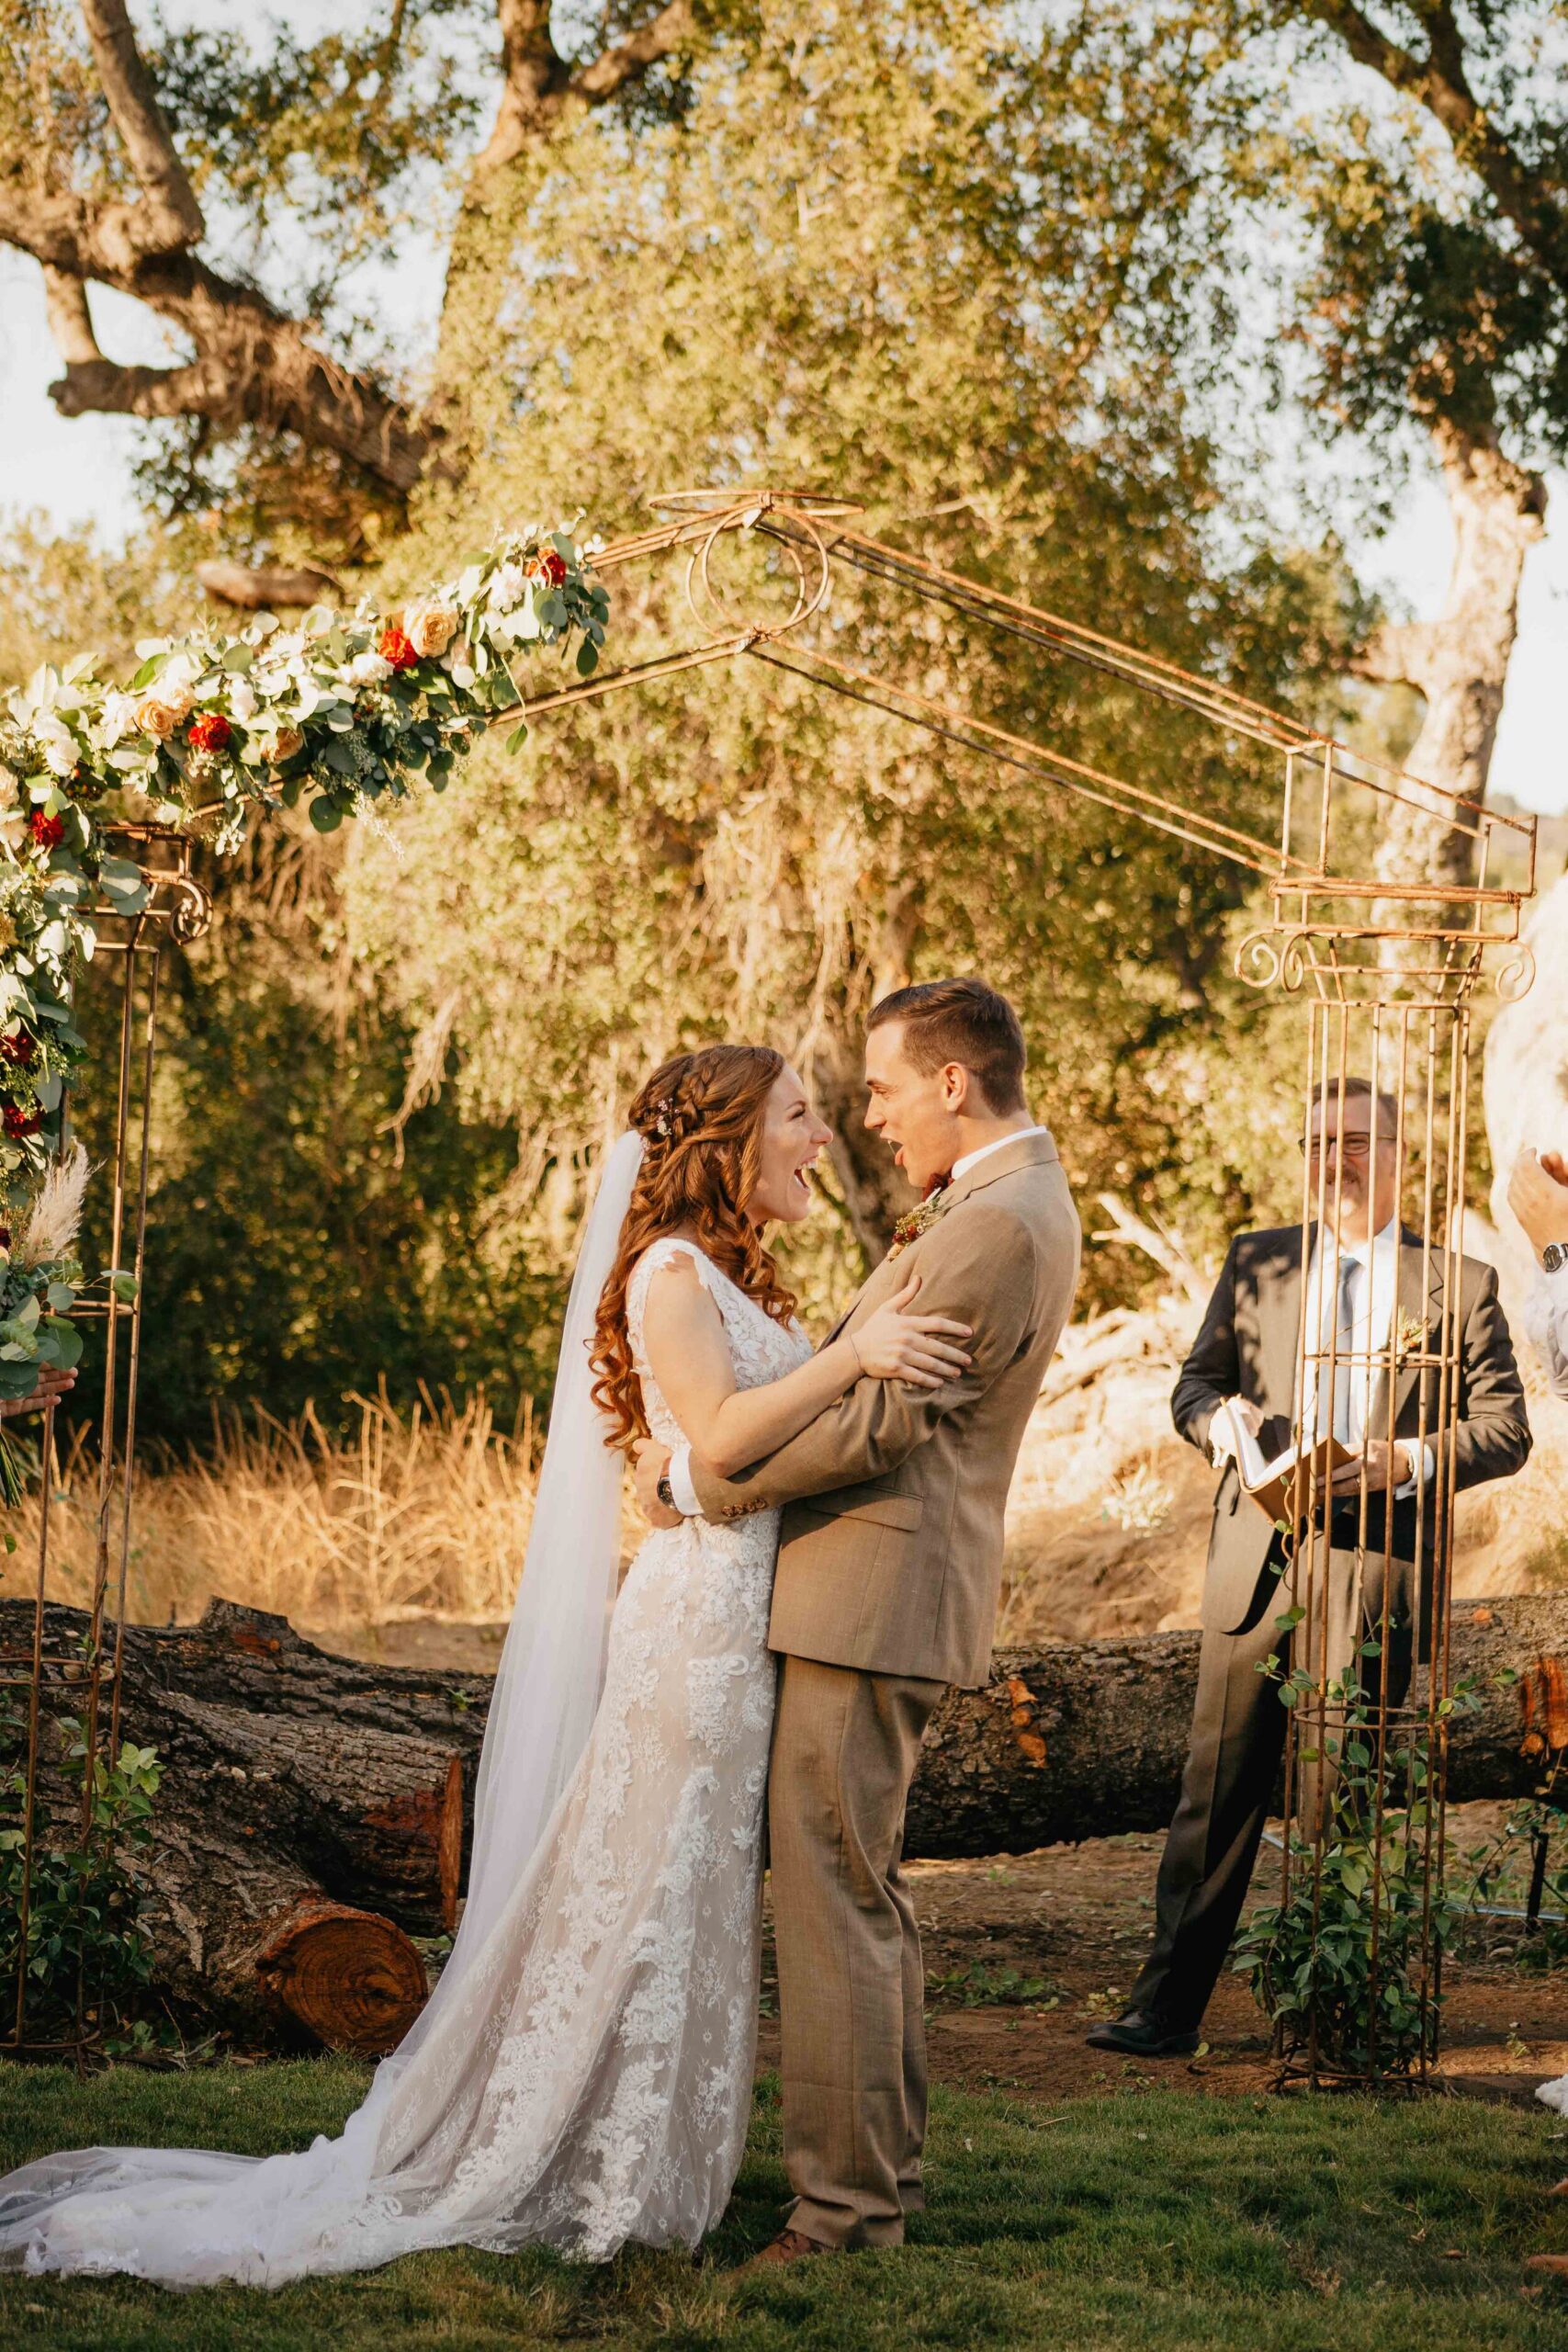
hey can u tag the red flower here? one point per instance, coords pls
(396, 649)
(20, 1049)
(210, 731)
(48, 833)
(17, 1121)
(5, 1236)
(547, 566)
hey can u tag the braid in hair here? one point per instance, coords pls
(700, 1116)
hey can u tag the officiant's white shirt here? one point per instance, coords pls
(680, 1471)
(1373, 1292)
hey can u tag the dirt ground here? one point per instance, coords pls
(1024, 1952)
(1060, 1933)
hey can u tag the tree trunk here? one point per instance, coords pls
(1527, 1082)
(314, 1809)
(1088, 1740)
(1459, 662)
(309, 1815)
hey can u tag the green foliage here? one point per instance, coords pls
(889, 251)
(84, 1953)
(982, 1987)
(299, 1244)
(1342, 1965)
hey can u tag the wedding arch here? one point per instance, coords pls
(116, 783)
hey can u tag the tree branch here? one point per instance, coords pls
(171, 218)
(70, 319)
(540, 85)
(266, 587)
(1438, 82)
(1398, 655)
(630, 59)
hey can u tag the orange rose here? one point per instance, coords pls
(284, 744)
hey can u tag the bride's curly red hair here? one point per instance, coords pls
(700, 1116)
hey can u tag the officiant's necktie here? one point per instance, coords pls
(1344, 1415)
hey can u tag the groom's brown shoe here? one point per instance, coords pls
(790, 2246)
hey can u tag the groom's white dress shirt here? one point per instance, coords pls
(1546, 1321)
(680, 1470)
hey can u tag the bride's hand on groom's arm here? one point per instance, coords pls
(650, 1462)
(895, 1343)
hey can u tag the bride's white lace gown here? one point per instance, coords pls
(593, 2084)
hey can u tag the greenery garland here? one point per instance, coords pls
(339, 712)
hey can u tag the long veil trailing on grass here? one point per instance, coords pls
(406, 2171)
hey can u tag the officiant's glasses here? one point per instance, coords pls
(1357, 1144)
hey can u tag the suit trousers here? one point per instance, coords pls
(852, 1989)
(1231, 1773)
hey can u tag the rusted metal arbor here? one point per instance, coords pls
(60, 1695)
(1384, 975)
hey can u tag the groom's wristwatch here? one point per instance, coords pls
(1555, 1256)
(664, 1490)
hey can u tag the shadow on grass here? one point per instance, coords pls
(1147, 2222)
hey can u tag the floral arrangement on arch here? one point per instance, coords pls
(341, 712)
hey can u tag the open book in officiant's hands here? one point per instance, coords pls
(1274, 1480)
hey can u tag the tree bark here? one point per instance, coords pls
(266, 587)
(311, 1813)
(1526, 1081)
(300, 1787)
(1458, 663)
(1089, 1740)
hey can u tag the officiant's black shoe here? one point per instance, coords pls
(1136, 2036)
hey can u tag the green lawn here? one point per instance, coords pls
(1153, 2220)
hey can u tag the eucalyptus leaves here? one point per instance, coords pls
(340, 713)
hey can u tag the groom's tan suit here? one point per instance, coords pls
(889, 1570)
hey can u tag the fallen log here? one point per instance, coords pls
(315, 1810)
(310, 1820)
(1088, 1740)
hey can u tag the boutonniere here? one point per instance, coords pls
(918, 1220)
(1409, 1337)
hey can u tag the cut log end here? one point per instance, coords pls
(350, 1978)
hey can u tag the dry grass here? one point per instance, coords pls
(419, 1513)
(421, 1519)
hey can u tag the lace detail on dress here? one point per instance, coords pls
(593, 2084)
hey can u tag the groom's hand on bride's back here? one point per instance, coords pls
(650, 1462)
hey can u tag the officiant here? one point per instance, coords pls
(1371, 1289)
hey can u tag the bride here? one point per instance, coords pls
(582, 2075)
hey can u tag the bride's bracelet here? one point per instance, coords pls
(860, 1360)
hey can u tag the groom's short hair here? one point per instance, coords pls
(961, 1021)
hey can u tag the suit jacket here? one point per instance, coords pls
(890, 1552)
(1247, 1347)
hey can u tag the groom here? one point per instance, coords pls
(889, 1576)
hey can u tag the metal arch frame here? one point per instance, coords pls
(1389, 962)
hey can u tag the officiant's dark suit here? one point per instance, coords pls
(1247, 1347)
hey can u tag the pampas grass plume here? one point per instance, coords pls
(56, 1212)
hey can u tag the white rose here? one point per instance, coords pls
(58, 745)
(242, 698)
(368, 669)
(508, 588)
(119, 718)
